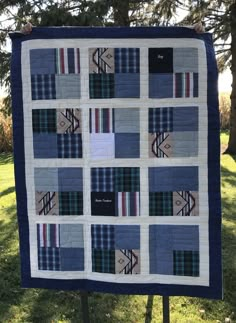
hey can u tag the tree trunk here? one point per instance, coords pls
(121, 12)
(232, 136)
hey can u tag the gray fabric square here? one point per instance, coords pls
(45, 145)
(185, 60)
(127, 85)
(70, 179)
(160, 86)
(127, 145)
(68, 86)
(126, 120)
(127, 237)
(71, 236)
(42, 61)
(164, 179)
(72, 259)
(46, 179)
(185, 144)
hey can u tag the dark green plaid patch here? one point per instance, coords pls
(186, 263)
(103, 261)
(160, 203)
(44, 121)
(101, 86)
(70, 203)
(127, 179)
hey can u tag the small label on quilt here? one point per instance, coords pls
(103, 200)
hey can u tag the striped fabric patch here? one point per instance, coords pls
(48, 235)
(67, 61)
(101, 121)
(128, 204)
(185, 85)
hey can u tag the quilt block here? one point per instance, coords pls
(116, 143)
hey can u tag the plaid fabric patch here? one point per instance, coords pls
(127, 179)
(102, 179)
(185, 85)
(67, 61)
(186, 263)
(101, 120)
(43, 87)
(160, 119)
(103, 236)
(160, 203)
(101, 86)
(49, 259)
(70, 203)
(44, 121)
(127, 204)
(127, 60)
(103, 261)
(69, 145)
(48, 235)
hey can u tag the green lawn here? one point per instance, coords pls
(43, 306)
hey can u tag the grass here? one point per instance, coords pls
(46, 306)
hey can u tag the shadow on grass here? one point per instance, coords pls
(10, 292)
(9, 190)
(227, 176)
(6, 158)
(58, 305)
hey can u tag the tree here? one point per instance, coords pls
(219, 17)
(15, 13)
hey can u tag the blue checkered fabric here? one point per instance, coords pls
(43, 87)
(102, 179)
(127, 60)
(49, 258)
(160, 119)
(103, 236)
(69, 145)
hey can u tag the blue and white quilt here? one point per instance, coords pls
(116, 142)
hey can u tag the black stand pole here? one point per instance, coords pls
(166, 309)
(84, 306)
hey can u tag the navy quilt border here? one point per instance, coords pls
(214, 291)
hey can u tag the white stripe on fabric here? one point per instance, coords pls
(66, 60)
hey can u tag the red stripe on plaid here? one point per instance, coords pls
(62, 63)
(96, 120)
(187, 85)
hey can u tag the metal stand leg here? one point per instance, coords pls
(84, 306)
(149, 307)
(166, 309)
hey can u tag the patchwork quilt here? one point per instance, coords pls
(116, 143)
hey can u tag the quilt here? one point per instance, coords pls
(116, 144)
